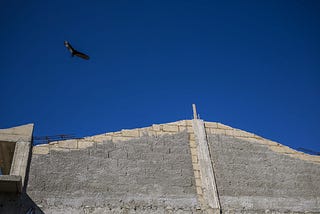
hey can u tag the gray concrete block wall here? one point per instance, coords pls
(251, 178)
(144, 175)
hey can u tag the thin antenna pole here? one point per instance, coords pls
(195, 115)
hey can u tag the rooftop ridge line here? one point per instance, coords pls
(157, 130)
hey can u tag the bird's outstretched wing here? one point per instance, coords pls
(81, 55)
(74, 52)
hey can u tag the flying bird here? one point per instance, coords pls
(74, 52)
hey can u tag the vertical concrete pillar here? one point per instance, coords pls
(20, 160)
(209, 187)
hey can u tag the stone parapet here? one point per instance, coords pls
(220, 129)
(157, 130)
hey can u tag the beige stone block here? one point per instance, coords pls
(119, 138)
(154, 133)
(170, 128)
(192, 144)
(69, 144)
(85, 144)
(144, 131)
(156, 127)
(194, 159)
(199, 190)
(194, 152)
(257, 136)
(230, 132)
(40, 150)
(197, 176)
(54, 144)
(107, 137)
(210, 125)
(99, 138)
(196, 166)
(182, 128)
(202, 201)
(158, 134)
(267, 142)
(147, 132)
(116, 134)
(130, 133)
(189, 122)
(222, 126)
(240, 133)
(191, 135)
(198, 182)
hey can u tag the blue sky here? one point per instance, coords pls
(253, 65)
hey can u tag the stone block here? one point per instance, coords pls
(230, 132)
(170, 128)
(192, 144)
(40, 150)
(195, 166)
(210, 125)
(191, 137)
(107, 137)
(197, 176)
(182, 128)
(147, 132)
(54, 144)
(194, 152)
(130, 133)
(222, 126)
(119, 138)
(194, 159)
(156, 127)
(85, 144)
(189, 122)
(199, 190)
(69, 144)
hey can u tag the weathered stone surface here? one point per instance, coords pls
(156, 170)
(145, 175)
(252, 178)
(40, 149)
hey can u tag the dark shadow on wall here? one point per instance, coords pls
(12, 203)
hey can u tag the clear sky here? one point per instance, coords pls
(253, 65)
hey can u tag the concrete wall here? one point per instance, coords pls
(164, 169)
(15, 151)
(252, 178)
(149, 174)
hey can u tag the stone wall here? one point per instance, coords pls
(133, 171)
(252, 178)
(158, 170)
